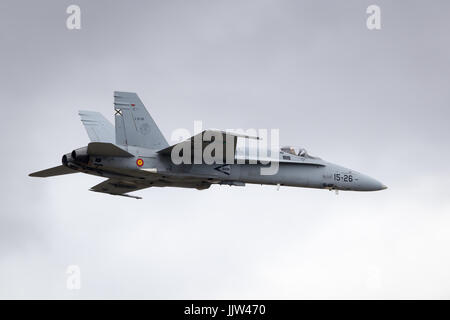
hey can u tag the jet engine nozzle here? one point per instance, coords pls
(80, 155)
(64, 160)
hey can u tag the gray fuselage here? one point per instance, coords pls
(158, 170)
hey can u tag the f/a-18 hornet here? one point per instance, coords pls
(135, 155)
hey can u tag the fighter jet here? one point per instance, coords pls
(134, 155)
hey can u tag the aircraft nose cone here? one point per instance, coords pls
(370, 184)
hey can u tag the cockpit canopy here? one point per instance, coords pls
(297, 151)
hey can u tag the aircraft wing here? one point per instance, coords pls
(118, 187)
(228, 139)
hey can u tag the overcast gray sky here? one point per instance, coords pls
(375, 101)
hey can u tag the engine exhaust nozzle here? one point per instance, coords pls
(80, 155)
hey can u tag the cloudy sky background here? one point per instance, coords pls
(374, 101)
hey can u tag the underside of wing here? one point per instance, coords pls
(119, 187)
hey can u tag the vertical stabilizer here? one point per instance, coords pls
(134, 125)
(97, 127)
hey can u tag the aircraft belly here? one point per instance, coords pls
(214, 172)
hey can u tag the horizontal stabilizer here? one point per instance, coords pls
(106, 150)
(55, 171)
